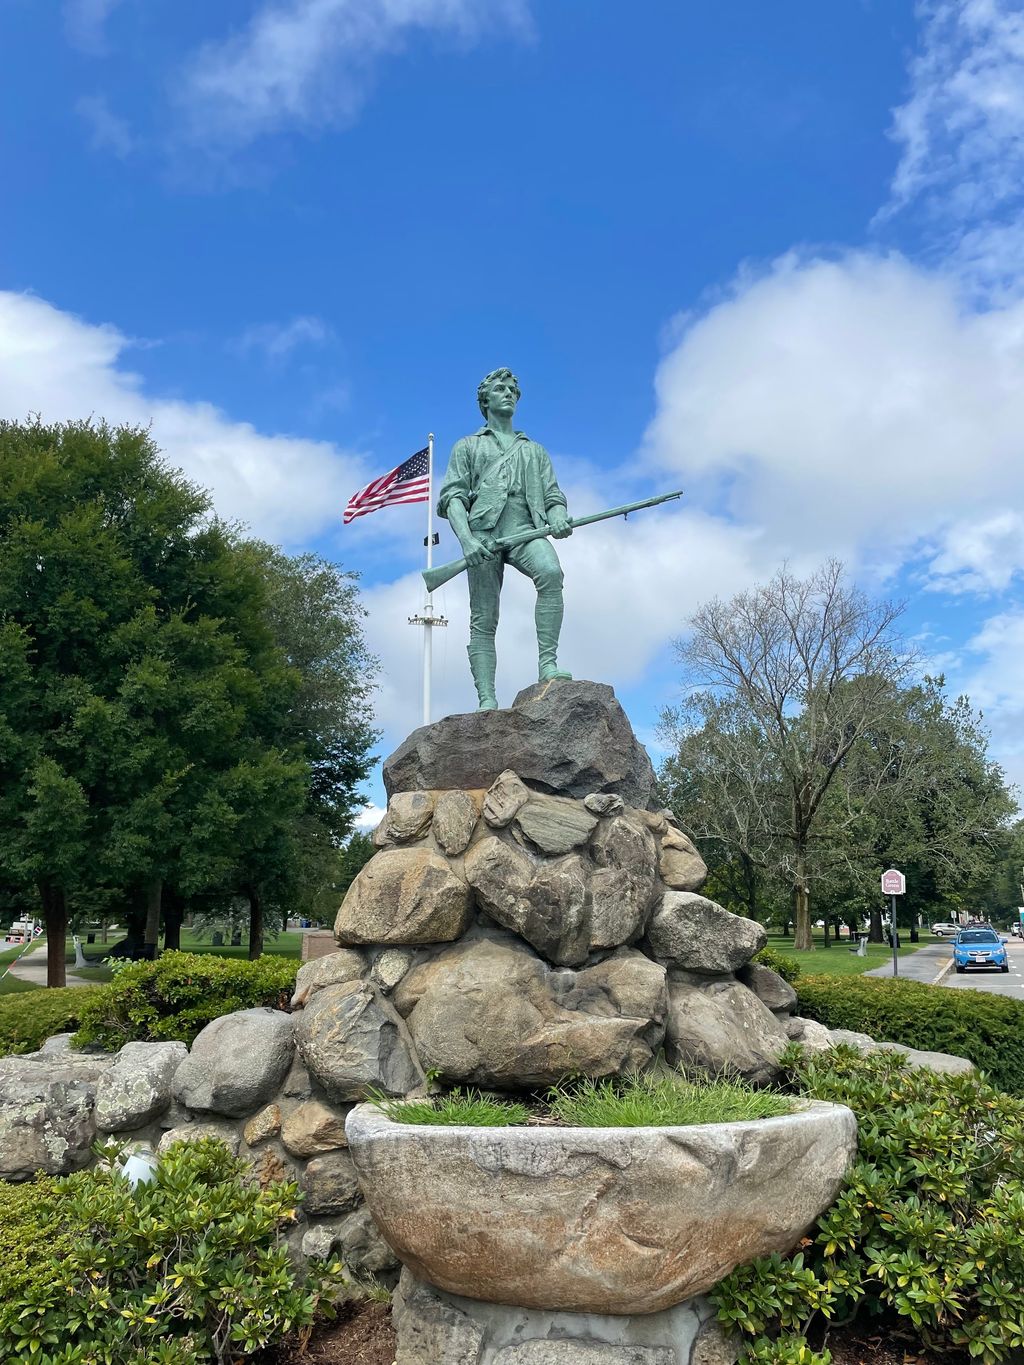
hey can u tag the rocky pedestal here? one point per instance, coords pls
(529, 916)
(437, 1328)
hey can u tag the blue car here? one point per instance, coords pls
(980, 948)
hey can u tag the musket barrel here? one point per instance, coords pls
(443, 573)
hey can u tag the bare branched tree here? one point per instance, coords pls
(809, 667)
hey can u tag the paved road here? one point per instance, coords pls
(991, 981)
(935, 958)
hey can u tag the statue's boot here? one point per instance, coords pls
(548, 620)
(483, 664)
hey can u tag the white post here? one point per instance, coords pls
(428, 615)
(428, 620)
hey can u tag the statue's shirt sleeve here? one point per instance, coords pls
(458, 478)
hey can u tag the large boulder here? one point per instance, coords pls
(490, 1012)
(329, 1184)
(328, 970)
(455, 817)
(543, 902)
(598, 1220)
(721, 1028)
(352, 1042)
(408, 817)
(46, 1113)
(680, 866)
(313, 1128)
(567, 738)
(237, 1063)
(691, 932)
(138, 1087)
(769, 987)
(554, 824)
(405, 895)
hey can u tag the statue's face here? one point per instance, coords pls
(501, 397)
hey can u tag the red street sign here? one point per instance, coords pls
(893, 883)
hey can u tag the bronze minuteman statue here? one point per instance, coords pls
(499, 484)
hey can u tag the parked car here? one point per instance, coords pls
(979, 948)
(945, 930)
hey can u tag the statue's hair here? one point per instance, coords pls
(488, 380)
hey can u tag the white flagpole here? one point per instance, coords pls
(428, 615)
(428, 620)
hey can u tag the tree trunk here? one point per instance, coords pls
(174, 913)
(750, 881)
(151, 936)
(55, 917)
(875, 934)
(802, 939)
(255, 924)
(827, 942)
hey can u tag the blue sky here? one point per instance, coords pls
(771, 254)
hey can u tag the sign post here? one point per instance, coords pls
(894, 884)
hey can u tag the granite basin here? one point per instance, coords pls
(596, 1220)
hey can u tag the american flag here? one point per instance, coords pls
(410, 482)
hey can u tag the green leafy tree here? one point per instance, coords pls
(162, 737)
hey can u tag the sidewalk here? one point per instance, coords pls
(928, 964)
(31, 966)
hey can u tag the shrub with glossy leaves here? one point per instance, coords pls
(929, 1225)
(178, 995)
(188, 1270)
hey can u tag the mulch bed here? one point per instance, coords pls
(884, 1346)
(361, 1335)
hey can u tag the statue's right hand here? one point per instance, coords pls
(475, 551)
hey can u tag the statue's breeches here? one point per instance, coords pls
(537, 560)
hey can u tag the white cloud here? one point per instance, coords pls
(369, 818)
(981, 556)
(849, 407)
(277, 340)
(108, 132)
(285, 488)
(993, 677)
(85, 21)
(309, 63)
(962, 137)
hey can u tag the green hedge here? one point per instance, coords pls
(178, 995)
(30, 1017)
(779, 962)
(988, 1029)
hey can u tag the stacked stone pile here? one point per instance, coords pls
(529, 915)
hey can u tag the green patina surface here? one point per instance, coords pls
(498, 483)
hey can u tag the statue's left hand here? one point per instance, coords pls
(558, 520)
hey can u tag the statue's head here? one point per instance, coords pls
(496, 376)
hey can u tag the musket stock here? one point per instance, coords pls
(443, 573)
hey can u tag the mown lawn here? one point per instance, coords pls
(837, 960)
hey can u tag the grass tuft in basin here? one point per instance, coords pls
(644, 1101)
(469, 1108)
